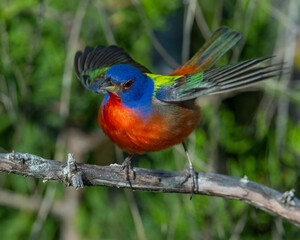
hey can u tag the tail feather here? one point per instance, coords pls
(216, 46)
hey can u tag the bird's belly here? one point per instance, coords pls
(155, 132)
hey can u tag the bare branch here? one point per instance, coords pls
(285, 205)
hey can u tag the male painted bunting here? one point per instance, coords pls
(144, 112)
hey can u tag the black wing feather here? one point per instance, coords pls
(100, 57)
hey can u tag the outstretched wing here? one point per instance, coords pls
(215, 47)
(92, 64)
(218, 80)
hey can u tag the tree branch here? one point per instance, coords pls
(78, 175)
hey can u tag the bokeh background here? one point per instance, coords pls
(44, 110)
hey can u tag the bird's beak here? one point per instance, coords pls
(107, 85)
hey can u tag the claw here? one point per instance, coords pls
(190, 171)
(126, 165)
(191, 174)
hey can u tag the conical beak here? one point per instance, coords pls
(107, 85)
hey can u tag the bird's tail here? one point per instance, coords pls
(215, 47)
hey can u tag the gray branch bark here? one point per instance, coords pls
(78, 175)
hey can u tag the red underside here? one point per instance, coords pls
(136, 134)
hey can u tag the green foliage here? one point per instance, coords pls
(238, 136)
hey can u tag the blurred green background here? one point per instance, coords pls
(44, 110)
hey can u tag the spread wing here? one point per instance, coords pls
(195, 79)
(92, 64)
(217, 80)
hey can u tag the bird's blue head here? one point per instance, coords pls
(134, 88)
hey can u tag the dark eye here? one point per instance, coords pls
(128, 84)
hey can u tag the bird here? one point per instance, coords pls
(145, 112)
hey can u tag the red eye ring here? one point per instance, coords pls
(128, 84)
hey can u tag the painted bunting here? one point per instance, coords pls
(145, 112)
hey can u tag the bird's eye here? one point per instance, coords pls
(128, 84)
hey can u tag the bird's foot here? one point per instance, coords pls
(126, 165)
(190, 174)
(190, 171)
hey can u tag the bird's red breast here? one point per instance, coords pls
(135, 133)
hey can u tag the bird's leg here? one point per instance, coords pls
(190, 169)
(127, 165)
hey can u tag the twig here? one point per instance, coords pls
(245, 28)
(30, 203)
(78, 175)
(44, 210)
(201, 22)
(187, 29)
(108, 33)
(283, 104)
(68, 68)
(156, 44)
